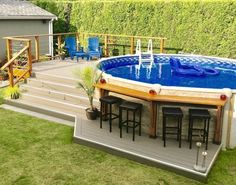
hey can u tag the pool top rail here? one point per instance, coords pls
(161, 98)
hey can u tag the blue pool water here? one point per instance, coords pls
(160, 73)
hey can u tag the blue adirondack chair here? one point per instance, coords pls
(72, 49)
(94, 50)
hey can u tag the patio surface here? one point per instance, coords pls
(60, 68)
(144, 149)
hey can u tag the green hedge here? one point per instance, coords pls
(202, 27)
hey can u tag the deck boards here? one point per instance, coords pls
(181, 160)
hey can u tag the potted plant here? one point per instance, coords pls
(61, 51)
(88, 77)
(12, 92)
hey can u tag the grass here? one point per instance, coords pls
(1, 95)
(35, 151)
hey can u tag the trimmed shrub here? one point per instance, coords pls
(200, 27)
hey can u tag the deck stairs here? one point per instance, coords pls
(52, 95)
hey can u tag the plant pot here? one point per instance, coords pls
(91, 114)
(115, 52)
(15, 96)
(62, 57)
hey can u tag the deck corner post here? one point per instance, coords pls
(132, 45)
(29, 57)
(36, 40)
(162, 43)
(10, 68)
(59, 42)
(106, 52)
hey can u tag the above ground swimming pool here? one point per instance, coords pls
(127, 67)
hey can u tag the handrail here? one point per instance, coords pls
(14, 58)
(17, 39)
(87, 33)
(16, 72)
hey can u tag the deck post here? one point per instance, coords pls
(106, 52)
(29, 57)
(131, 45)
(153, 109)
(218, 126)
(162, 43)
(10, 68)
(77, 41)
(36, 40)
(59, 42)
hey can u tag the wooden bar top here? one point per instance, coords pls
(160, 98)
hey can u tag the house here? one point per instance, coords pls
(19, 17)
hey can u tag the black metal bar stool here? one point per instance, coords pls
(108, 101)
(204, 115)
(175, 113)
(134, 108)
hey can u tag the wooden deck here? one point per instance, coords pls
(144, 149)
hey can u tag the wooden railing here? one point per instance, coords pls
(18, 70)
(44, 45)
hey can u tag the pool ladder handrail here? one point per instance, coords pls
(149, 53)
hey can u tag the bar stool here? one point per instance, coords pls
(174, 113)
(205, 116)
(108, 101)
(134, 108)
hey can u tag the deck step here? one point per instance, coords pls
(42, 109)
(68, 107)
(55, 78)
(57, 95)
(64, 88)
(38, 115)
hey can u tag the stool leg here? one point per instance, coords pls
(134, 125)
(120, 117)
(204, 131)
(163, 117)
(127, 119)
(110, 117)
(140, 117)
(180, 131)
(101, 115)
(189, 128)
(190, 133)
(164, 131)
(120, 121)
(207, 133)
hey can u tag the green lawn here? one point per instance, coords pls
(35, 151)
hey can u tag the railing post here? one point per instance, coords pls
(29, 57)
(131, 45)
(162, 42)
(77, 41)
(59, 42)
(106, 52)
(10, 68)
(36, 39)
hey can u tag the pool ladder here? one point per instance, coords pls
(145, 56)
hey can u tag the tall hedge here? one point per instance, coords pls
(203, 27)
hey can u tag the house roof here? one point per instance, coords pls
(21, 9)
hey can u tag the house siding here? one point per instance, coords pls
(24, 27)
